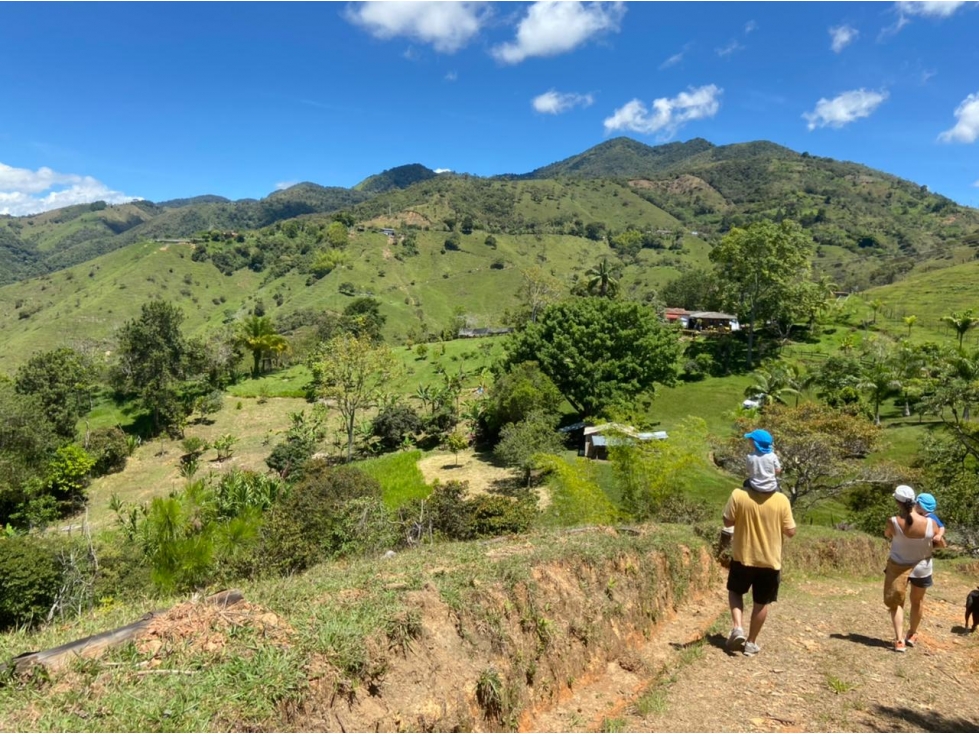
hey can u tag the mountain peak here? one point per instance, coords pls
(400, 177)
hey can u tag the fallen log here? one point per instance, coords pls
(92, 646)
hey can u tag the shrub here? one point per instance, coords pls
(450, 515)
(394, 423)
(109, 449)
(68, 473)
(30, 579)
(330, 512)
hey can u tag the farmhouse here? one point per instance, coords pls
(677, 316)
(477, 333)
(712, 321)
(599, 438)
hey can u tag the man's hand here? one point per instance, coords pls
(788, 532)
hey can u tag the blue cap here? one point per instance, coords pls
(926, 502)
(762, 440)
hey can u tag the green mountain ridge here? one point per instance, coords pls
(400, 177)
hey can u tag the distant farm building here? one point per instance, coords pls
(712, 321)
(677, 316)
(599, 438)
(388, 232)
(477, 333)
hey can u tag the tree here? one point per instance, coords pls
(761, 269)
(823, 451)
(693, 290)
(875, 306)
(27, 440)
(362, 317)
(520, 443)
(880, 380)
(910, 321)
(456, 442)
(598, 351)
(354, 373)
(772, 385)
(154, 358)
(337, 235)
(601, 278)
(538, 289)
(962, 322)
(524, 389)
(62, 380)
(258, 335)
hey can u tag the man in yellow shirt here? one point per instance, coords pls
(759, 519)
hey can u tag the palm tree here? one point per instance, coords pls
(875, 306)
(602, 277)
(257, 334)
(879, 380)
(771, 385)
(961, 322)
(910, 321)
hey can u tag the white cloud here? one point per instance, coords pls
(672, 61)
(552, 28)
(845, 108)
(443, 170)
(930, 9)
(451, 76)
(966, 128)
(935, 9)
(447, 26)
(729, 49)
(283, 185)
(23, 191)
(843, 36)
(554, 103)
(668, 114)
(750, 27)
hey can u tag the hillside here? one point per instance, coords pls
(63, 237)
(400, 177)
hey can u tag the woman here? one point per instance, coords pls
(912, 536)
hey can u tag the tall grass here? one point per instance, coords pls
(400, 478)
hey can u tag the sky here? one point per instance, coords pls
(156, 100)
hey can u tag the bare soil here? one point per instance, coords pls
(826, 665)
(478, 470)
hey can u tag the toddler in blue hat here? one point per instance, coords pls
(763, 464)
(927, 503)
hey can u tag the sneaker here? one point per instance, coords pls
(751, 649)
(736, 639)
(912, 640)
(899, 646)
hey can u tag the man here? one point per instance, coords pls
(759, 519)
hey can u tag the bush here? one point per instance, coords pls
(30, 579)
(394, 423)
(450, 515)
(329, 513)
(109, 450)
(68, 474)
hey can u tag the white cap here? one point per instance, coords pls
(904, 493)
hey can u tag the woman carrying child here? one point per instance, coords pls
(913, 535)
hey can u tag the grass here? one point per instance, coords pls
(350, 623)
(400, 478)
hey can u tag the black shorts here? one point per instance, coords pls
(763, 582)
(923, 583)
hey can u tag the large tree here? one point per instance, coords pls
(154, 360)
(599, 351)
(763, 269)
(602, 280)
(354, 373)
(63, 381)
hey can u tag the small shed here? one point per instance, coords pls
(599, 438)
(712, 321)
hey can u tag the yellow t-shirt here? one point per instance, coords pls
(759, 519)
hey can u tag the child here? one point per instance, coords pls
(763, 464)
(927, 503)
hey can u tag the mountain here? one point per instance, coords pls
(204, 199)
(395, 178)
(622, 158)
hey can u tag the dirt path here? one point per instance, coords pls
(825, 665)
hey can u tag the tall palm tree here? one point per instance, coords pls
(879, 380)
(258, 335)
(602, 277)
(961, 322)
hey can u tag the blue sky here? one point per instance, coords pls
(161, 100)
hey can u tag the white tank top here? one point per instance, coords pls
(913, 551)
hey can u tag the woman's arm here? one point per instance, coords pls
(889, 529)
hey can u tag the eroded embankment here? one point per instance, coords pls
(499, 651)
